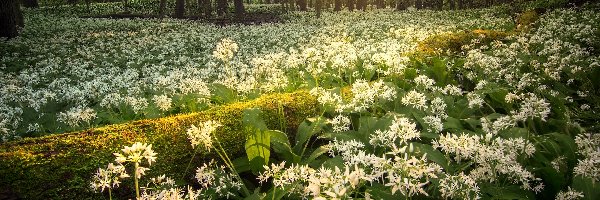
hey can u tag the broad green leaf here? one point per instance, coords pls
(334, 162)
(258, 138)
(505, 192)
(590, 189)
(281, 146)
(432, 154)
(305, 131)
(316, 153)
(222, 94)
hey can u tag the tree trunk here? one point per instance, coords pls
(319, 4)
(239, 7)
(206, 8)
(179, 8)
(11, 18)
(161, 8)
(302, 5)
(337, 5)
(30, 3)
(350, 5)
(401, 5)
(221, 7)
(361, 5)
(380, 3)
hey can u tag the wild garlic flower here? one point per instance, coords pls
(135, 154)
(589, 147)
(217, 180)
(435, 124)
(162, 102)
(202, 135)
(475, 100)
(460, 186)
(75, 116)
(438, 107)
(415, 99)
(366, 94)
(492, 157)
(108, 178)
(532, 107)
(410, 175)
(206, 174)
(225, 50)
(424, 81)
(570, 194)
(402, 130)
(340, 123)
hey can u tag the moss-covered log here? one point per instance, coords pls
(61, 166)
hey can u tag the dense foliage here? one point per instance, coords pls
(461, 104)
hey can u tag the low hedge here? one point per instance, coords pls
(61, 166)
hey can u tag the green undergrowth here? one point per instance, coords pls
(59, 166)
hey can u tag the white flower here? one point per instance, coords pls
(225, 50)
(570, 194)
(202, 134)
(415, 99)
(162, 102)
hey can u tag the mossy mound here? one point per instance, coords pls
(527, 19)
(61, 166)
(452, 43)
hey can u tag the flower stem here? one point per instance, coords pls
(137, 188)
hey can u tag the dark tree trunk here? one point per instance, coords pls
(451, 5)
(361, 5)
(206, 7)
(350, 5)
(418, 4)
(337, 5)
(302, 5)
(319, 4)
(460, 4)
(401, 5)
(239, 7)
(11, 18)
(221, 7)
(179, 8)
(30, 3)
(380, 3)
(162, 5)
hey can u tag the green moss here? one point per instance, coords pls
(452, 42)
(61, 166)
(526, 19)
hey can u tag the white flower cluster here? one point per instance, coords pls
(108, 178)
(589, 147)
(415, 99)
(460, 186)
(75, 116)
(202, 135)
(217, 179)
(570, 194)
(493, 157)
(402, 130)
(225, 50)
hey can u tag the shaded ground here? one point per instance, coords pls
(247, 19)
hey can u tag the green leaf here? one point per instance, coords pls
(506, 192)
(281, 146)
(221, 94)
(258, 142)
(305, 131)
(432, 154)
(590, 189)
(316, 153)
